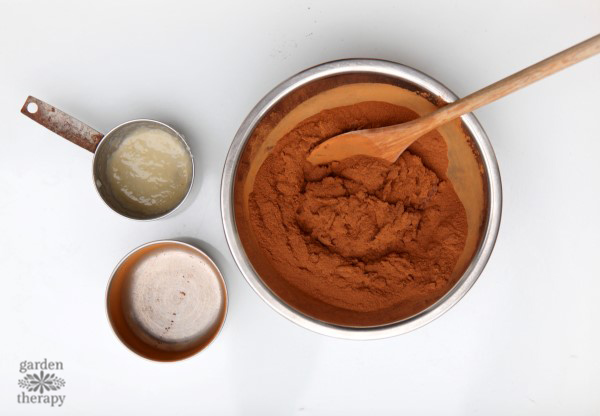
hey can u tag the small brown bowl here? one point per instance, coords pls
(166, 300)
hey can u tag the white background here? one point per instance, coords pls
(524, 341)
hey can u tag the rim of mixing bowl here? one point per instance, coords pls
(489, 230)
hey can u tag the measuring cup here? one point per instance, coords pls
(103, 147)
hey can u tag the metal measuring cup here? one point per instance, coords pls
(102, 146)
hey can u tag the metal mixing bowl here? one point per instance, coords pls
(328, 76)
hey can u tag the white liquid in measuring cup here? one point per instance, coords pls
(150, 171)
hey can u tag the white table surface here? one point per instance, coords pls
(524, 341)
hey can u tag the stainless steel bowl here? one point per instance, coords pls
(166, 300)
(109, 144)
(333, 74)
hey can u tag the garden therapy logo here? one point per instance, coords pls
(41, 383)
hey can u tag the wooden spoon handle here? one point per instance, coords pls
(512, 83)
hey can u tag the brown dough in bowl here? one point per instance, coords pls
(362, 241)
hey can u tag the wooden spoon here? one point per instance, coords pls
(389, 142)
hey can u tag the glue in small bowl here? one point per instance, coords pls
(109, 144)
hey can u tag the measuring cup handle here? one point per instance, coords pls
(62, 124)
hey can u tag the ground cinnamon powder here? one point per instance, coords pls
(361, 241)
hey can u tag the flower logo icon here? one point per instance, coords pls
(42, 382)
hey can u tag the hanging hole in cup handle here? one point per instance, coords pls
(61, 123)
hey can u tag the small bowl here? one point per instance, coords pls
(476, 178)
(109, 144)
(166, 300)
